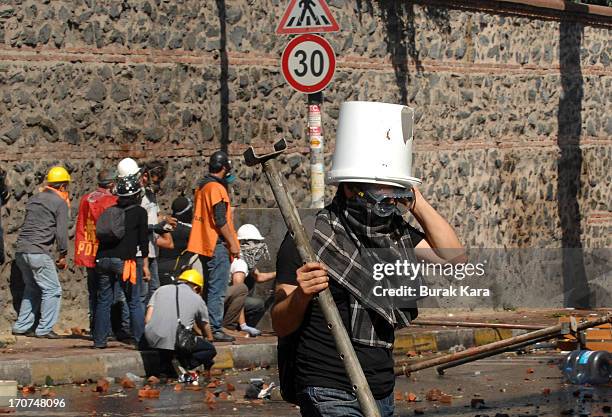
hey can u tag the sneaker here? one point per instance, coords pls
(50, 335)
(222, 337)
(29, 333)
(252, 331)
(178, 369)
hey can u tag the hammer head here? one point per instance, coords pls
(251, 158)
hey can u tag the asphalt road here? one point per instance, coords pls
(529, 385)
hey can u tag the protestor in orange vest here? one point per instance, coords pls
(213, 237)
(86, 243)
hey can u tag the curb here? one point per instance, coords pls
(77, 368)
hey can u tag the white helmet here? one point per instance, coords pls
(374, 144)
(127, 167)
(249, 232)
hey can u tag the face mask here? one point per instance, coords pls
(252, 252)
(229, 178)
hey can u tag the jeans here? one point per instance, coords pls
(330, 402)
(216, 281)
(254, 310)
(148, 288)
(109, 272)
(42, 293)
(122, 324)
(92, 290)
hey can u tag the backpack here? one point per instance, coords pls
(110, 227)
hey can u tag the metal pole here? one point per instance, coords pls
(325, 299)
(317, 160)
(477, 324)
(483, 355)
(550, 332)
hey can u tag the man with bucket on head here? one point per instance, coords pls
(363, 225)
(45, 223)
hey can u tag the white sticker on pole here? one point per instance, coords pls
(308, 63)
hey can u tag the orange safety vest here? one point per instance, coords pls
(204, 234)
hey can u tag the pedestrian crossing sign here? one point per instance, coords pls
(307, 16)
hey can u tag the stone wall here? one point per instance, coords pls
(513, 121)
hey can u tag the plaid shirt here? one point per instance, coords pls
(349, 249)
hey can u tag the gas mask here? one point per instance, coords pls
(384, 200)
(252, 251)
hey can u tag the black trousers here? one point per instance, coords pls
(203, 354)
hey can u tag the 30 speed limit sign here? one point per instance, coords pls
(308, 63)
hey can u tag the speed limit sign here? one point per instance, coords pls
(308, 63)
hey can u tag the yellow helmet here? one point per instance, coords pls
(58, 174)
(193, 276)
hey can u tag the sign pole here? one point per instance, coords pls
(317, 158)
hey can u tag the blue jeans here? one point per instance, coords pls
(109, 272)
(148, 288)
(42, 293)
(118, 298)
(93, 293)
(216, 281)
(330, 402)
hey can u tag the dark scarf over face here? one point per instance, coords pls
(349, 239)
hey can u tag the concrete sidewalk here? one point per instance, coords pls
(71, 359)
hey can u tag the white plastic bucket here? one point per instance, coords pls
(374, 144)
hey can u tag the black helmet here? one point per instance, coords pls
(218, 161)
(127, 186)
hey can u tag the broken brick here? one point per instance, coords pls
(446, 399)
(411, 397)
(530, 370)
(398, 396)
(433, 394)
(76, 331)
(210, 400)
(178, 387)
(28, 389)
(101, 385)
(223, 395)
(127, 383)
(230, 387)
(148, 392)
(546, 391)
(153, 380)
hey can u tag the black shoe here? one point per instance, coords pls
(222, 337)
(29, 333)
(50, 335)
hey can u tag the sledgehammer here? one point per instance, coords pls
(330, 311)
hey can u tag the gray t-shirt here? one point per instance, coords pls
(160, 331)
